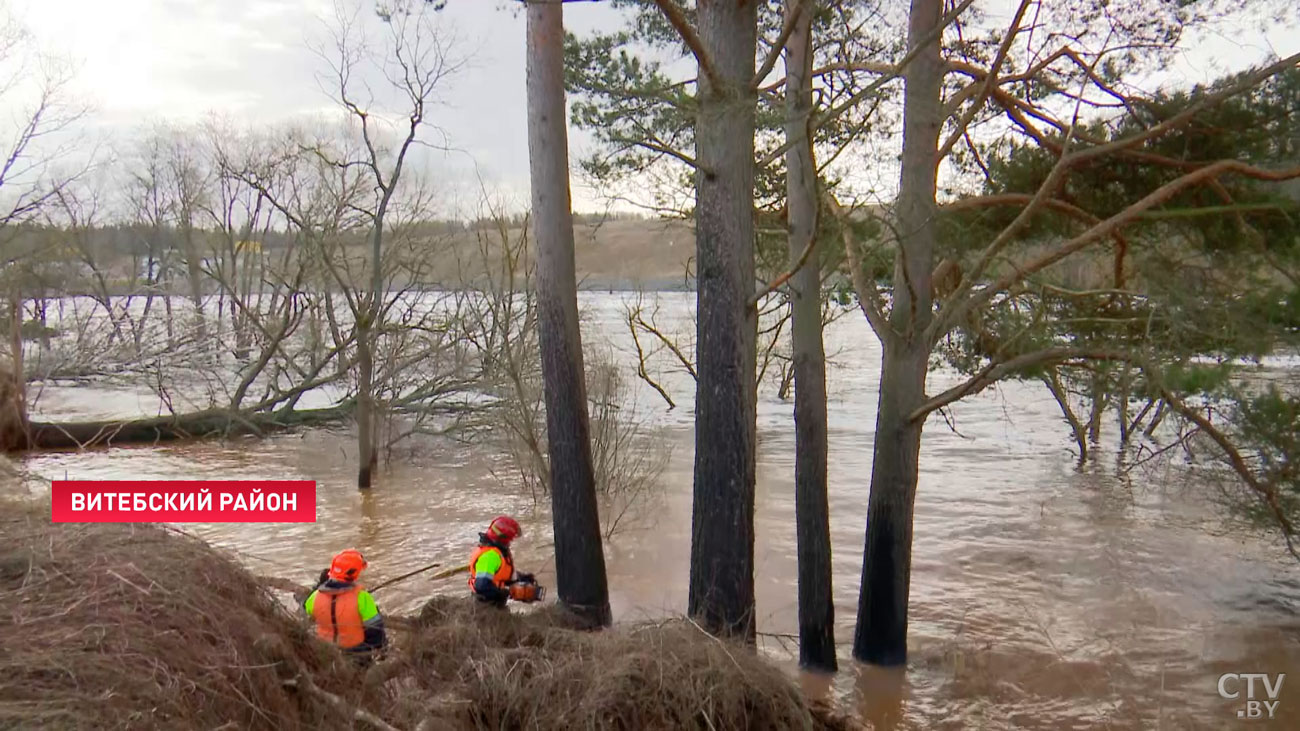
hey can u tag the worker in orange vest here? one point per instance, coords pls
(345, 613)
(492, 576)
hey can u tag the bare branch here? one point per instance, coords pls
(780, 280)
(641, 370)
(666, 341)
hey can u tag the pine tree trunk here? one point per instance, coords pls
(812, 515)
(722, 519)
(579, 558)
(881, 636)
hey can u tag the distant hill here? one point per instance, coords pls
(631, 254)
(621, 253)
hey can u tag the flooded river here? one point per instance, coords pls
(1043, 597)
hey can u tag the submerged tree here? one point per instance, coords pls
(722, 518)
(401, 77)
(721, 39)
(1190, 294)
(930, 284)
(38, 108)
(648, 118)
(812, 514)
(986, 317)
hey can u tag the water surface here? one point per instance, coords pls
(1043, 596)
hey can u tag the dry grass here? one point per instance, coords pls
(119, 626)
(647, 254)
(541, 670)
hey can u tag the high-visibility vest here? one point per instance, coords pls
(503, 574)
(338, 617)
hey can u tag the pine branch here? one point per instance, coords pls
(1267, 493)
(989, 81)
(1103, 229)
(893, 73)
(677, 18)
(774, 54)
(868, 293)
(998, 370)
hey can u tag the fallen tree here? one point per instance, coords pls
(204, 424)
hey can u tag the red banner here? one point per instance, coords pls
(183, 501)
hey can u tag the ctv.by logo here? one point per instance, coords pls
(1230, 686)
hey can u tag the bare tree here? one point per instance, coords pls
(499, 320)
(397, 72)
(410, 63)
(629, 453)
(496, 282)
(38, 110)
(148, 198)
(188, 178)
(242, 213)
(35, 89)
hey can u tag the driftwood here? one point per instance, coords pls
(197, 425)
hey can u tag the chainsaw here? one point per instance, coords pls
(526, 589)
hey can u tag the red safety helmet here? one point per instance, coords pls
(504, 528)
(347, 565)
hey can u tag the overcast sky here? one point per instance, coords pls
(142, 60)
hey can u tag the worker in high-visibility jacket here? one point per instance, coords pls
(492, 576)
(345, 613)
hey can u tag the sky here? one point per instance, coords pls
(140, 61)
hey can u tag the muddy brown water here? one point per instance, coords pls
(1043, 597)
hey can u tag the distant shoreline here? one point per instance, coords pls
(589, 284)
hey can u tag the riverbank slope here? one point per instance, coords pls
(115, 626)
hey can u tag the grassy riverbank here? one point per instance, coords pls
(117, 626)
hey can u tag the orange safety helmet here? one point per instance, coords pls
(504, 528)
(347, 565)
